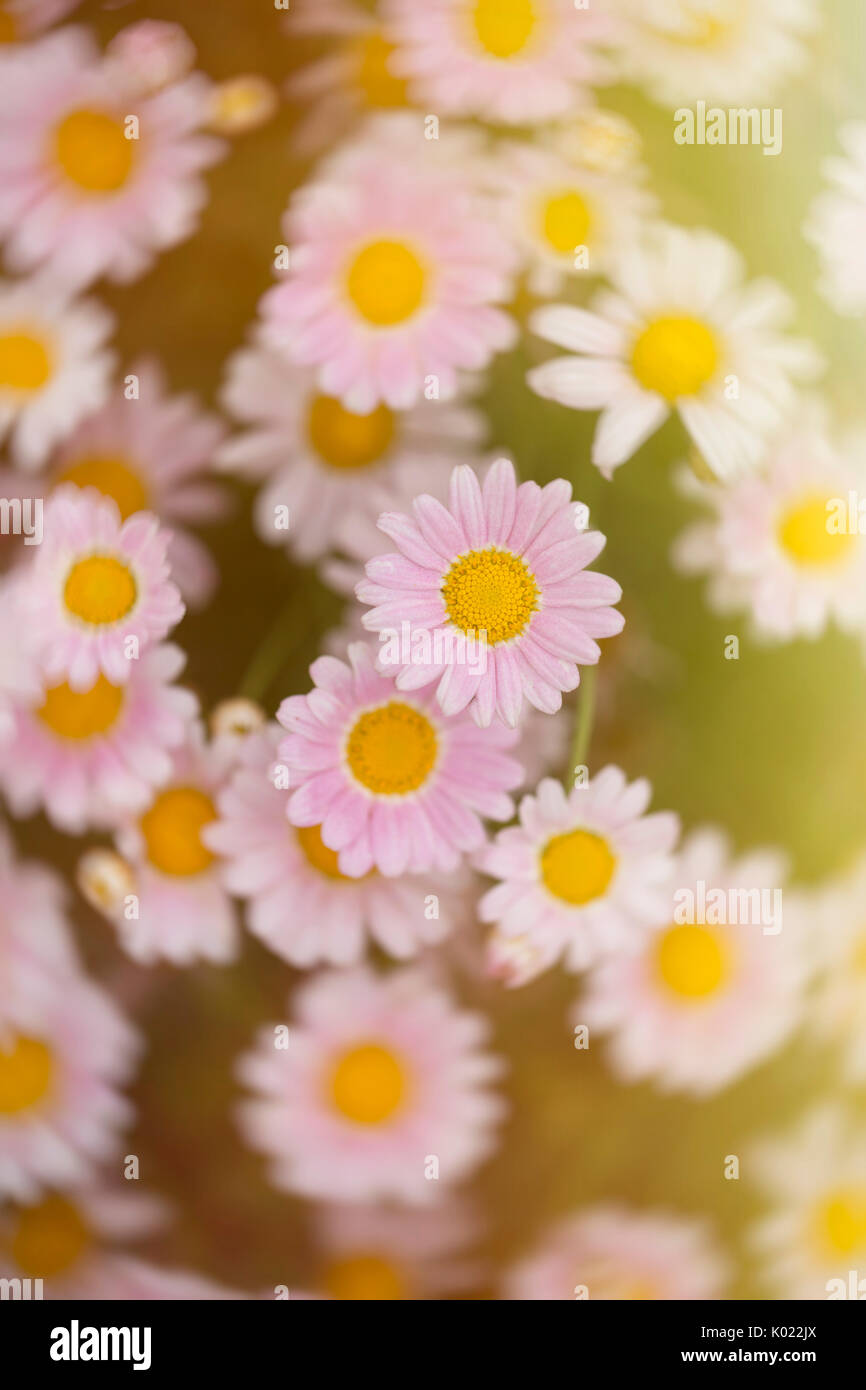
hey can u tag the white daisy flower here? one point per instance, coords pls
(834, 918)
(836, 224)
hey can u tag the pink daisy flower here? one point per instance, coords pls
(392, 783)
(396, 269)
(583, 875)
(82, 190)
(612, 1253)
(20, 675)
(713, 993)
(515, 61)
(89, 757)
(298, 901)
(155, 455)
(33, 927)
(382, 1091)
(502, 569)
(97, 590)
(152, 53)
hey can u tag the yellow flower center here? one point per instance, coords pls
(49, 1239)
(368, 1084)
(841, 1221)
(172, 831)
(113, 477)
(565, 221)
(702, 30)
(93, 151)
(386, 283)
(81, 714)
(577, 867)
(675, 356)
(363, 1278)
(691, 961)
(100, 590)
(490, 591)
(504, 27)
(379, 87)
(346, 440)
(26, 1074)
(391, 750)
(25, 363)
(317, 853)
(803, 535)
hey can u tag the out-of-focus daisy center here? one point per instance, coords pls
(26, 1074)
(49, 1239)
(368, 1084)
(391, 750)
(691, 961)
(345, 440)
(93, 151)
(675, 356)
(841, 1221)
(490, 591)
(379, 87)
(565, 221)
(386, 283)
(81, 714)
(504, 27)
(577, 866)
(172, 831)
(25, 362)
(805, 539)
(325, 860)
(362, 1278)
(697, 28)
(113, 476)
(100, 590)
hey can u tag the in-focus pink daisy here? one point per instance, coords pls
(383, 1090)
(391, 781)
(494, 589)
(154, 454)
(297, 899)
(585, 874)
(321, 463)
(83, 189)
(393, 1254)
(713, 993)
(396, 270)
(97, 591)
(614, 1253)
(515, 61)
(88, 757)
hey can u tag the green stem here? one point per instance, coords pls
(585, 717)
(271, 655)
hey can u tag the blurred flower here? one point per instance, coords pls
(383, 1090)
(503, 569)
(609, 1252)
(20, 678)
(241, 104)
(583, 875)
(151, 54)
(33, 926)
(836, 224)
(834, 926)
(680, 333)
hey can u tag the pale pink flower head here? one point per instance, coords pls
(151, 54)
(836, 224)
(97, 591)
(495, 589)
(392, 782)
(392, 1253)
(514, 61)
(583, 875)
(381, 1084)
(20, 672)
(396, 271)
(33, 925)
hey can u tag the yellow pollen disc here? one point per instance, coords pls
(675, 356)
(113, 477)
(386, 282)
(100, 590)
(367, 1084)
(841, 1221)
(364, 1278)
(391, 750)
(504, 27)
(81, 714)
(565, 221)
(26, 1073)
(317, 853)
(93, 151)
(345, 440)
(803, 535)
(379, 87)
(577, 867)
(691, 961)
(490, 591)
(25, 363)
(172, 831)
(49, 1239)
